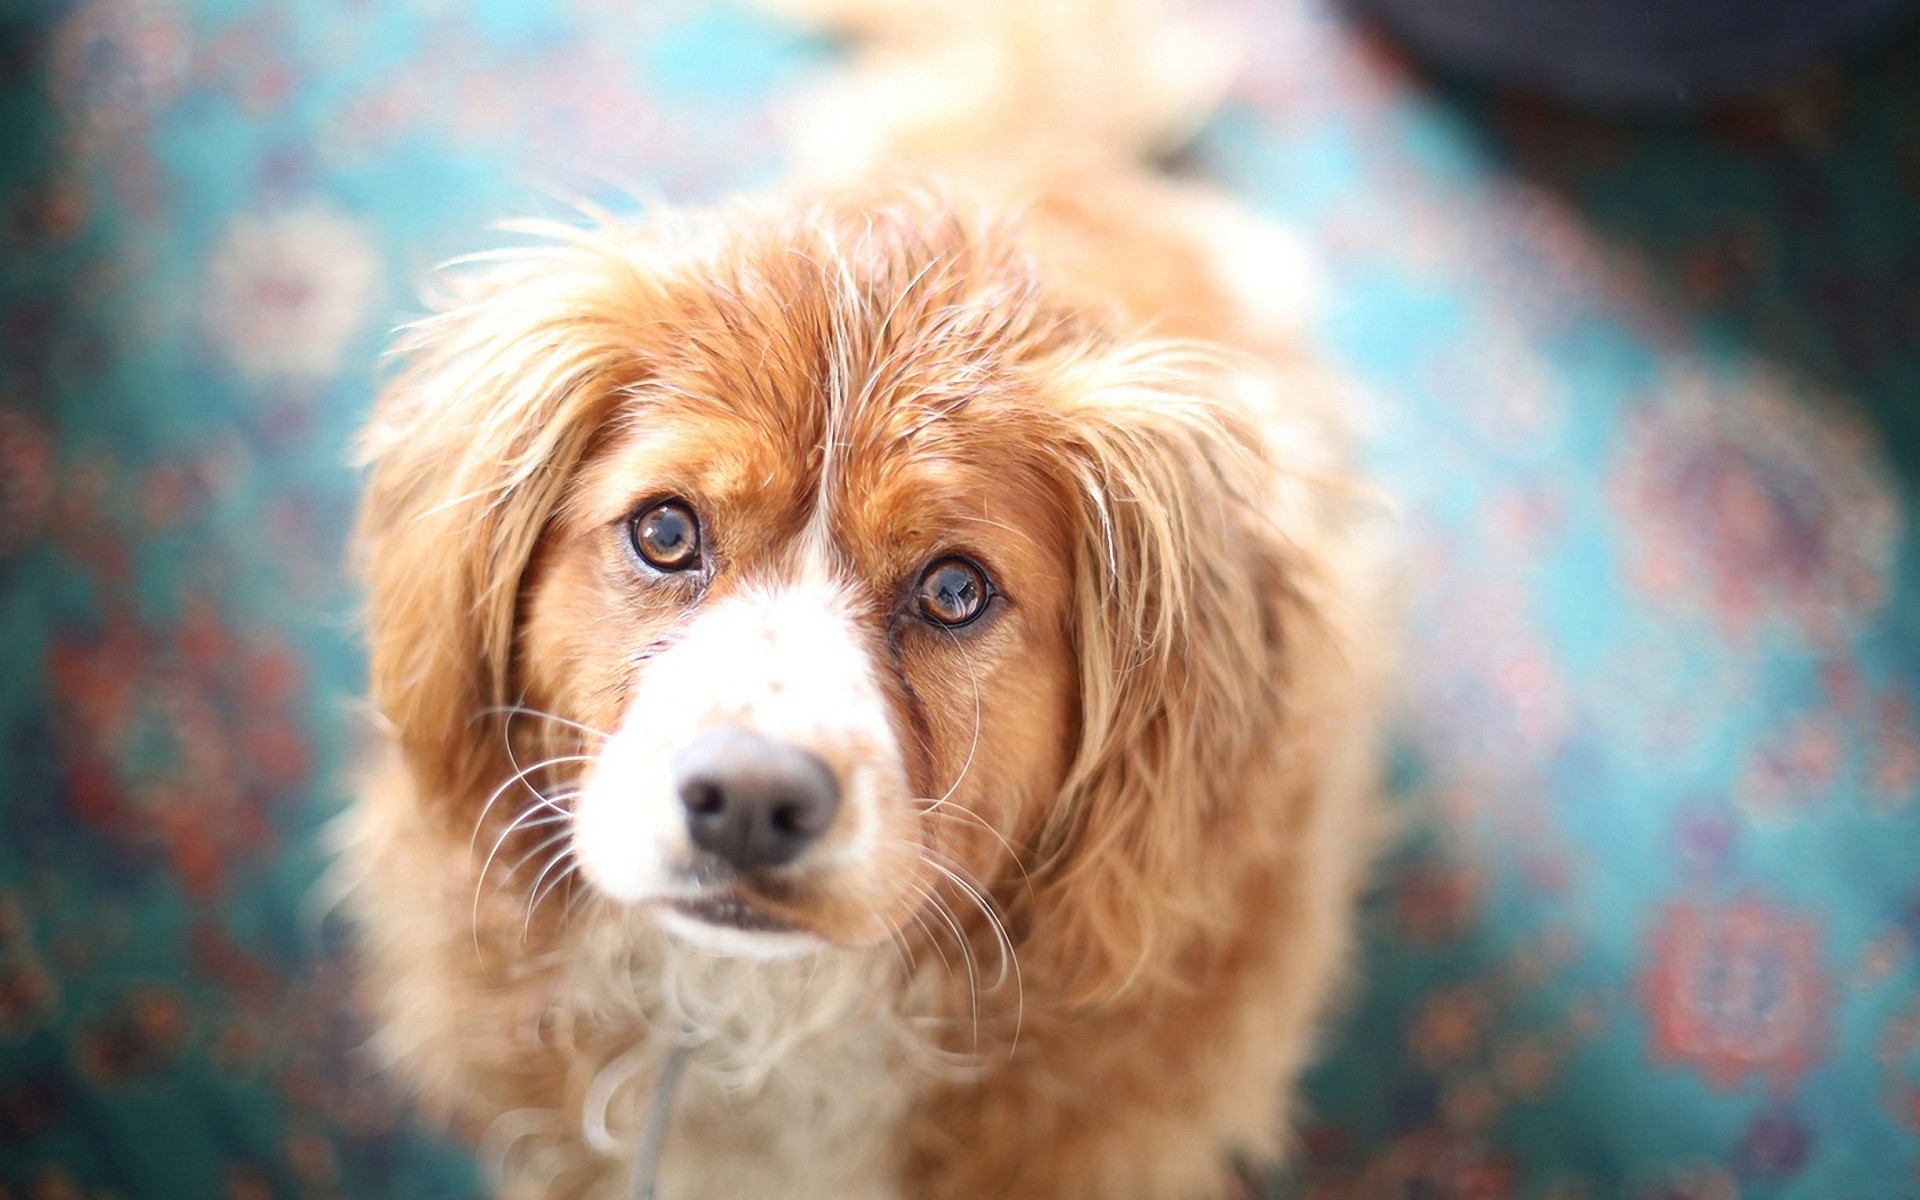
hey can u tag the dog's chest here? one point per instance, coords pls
(824, 1123)
(795, 1087)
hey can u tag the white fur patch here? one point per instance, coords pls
(786, 662)
(800, 1067)
(798, 1074)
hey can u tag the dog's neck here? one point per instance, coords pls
(790, 1067)
(633, 984)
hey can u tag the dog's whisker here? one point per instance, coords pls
(901, 952)
(526, 820)
(1009, 957)
(938, 907)
(533, 816)
(947, 1057)
(940, 910)
(924, 899)
(974, 744)
(519, 776)
(977, 892)
(895, 894)
(538, 895)
(522, 710)
(534, 853)
(952, 810)
(987, 909)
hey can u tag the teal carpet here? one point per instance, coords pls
(1649, 397)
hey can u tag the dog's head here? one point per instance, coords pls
(814, 567)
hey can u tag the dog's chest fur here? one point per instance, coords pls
(798, 1077)
(824, 1124)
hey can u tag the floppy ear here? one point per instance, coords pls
(469, 450)
(1197, 598)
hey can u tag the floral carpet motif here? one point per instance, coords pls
(1648, 396)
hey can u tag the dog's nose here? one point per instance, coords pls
(753, 801)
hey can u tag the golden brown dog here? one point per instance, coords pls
(898, 661)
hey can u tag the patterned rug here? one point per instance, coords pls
(1649, 397)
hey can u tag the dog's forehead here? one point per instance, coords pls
(883, 390)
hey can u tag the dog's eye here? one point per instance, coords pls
(953, 592)
(668, 536)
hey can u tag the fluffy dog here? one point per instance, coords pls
(880, 683)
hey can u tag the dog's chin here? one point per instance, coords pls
(729, 928)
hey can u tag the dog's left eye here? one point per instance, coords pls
(953, 592)
(667, 536)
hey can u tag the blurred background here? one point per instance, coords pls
(1643, 343)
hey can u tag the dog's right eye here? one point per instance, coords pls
(667, 536)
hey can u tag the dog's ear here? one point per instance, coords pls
(1194, 602)
(469, 450)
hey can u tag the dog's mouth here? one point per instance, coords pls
(726, 924)
(732, 912)
(719, 909)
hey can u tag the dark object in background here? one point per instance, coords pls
(1669, 54)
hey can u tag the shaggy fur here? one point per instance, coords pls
(1091, 887)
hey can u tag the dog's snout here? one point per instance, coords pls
(752, 801)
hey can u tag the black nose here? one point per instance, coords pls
(753, 801)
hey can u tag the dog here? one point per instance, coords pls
(878, 684)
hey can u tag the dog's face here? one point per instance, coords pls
(822, 623)
(845, 579)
